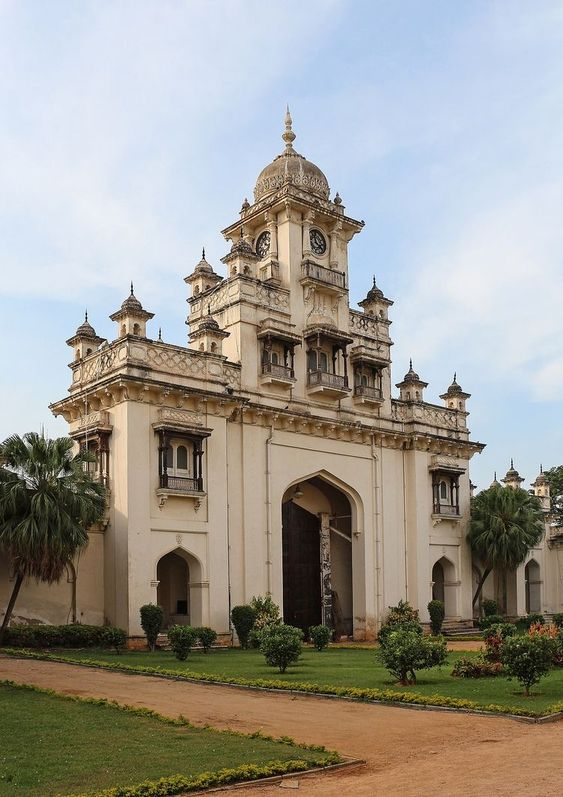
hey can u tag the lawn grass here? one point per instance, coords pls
(347, 667)
(50, 745)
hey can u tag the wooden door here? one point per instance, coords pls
(301, 567)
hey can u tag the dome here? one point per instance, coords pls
(374, 293)
(85, 329)
(203, 265)
(291, 168)
(208, 323)
(411, 375)
(131, 304)
(454, 388)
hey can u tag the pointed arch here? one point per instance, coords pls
(179, 583)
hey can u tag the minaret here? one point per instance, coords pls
(540, 488)
(131, 318)
(84, 341)
(202, 278)
(412, 386)
(512, 478)
(454, 398)
(495, 482)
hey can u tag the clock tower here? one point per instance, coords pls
(285, 299)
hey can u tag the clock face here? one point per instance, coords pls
(318, 242)
(263, 244)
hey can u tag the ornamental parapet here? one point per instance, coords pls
(431, 417)
(369, 326)
(147, 358)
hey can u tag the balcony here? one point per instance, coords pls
(328, 384)
(273, 373)
(314, 274)
(368, 393)
(181, 484)
(440, 511)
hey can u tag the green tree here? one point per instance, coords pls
(47, 502)
(554, 478)
(504, 524)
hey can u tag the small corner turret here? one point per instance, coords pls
(512, 478)
(84, 341)
(131, 318)
(202, 278)
(454, 398)
(208, 337)
(412, 386)
(376, 304)
(241, 259)
(540, 488)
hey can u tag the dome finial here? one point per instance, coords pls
(455, 376)
(541, 468)
(86, 316)
(160, 334)
(410, 364)
(131, 287)
(495, 476)
(288, 135)
(203, 253)
(511, 463)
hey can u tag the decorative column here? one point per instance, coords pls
(273, 228)
(307, 221)
(326, 570)
(334, 241)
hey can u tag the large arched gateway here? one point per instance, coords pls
(317, 543)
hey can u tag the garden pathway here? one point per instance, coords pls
(408, 752)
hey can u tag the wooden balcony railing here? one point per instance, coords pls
(325, 379)
(368, 391)
(279, 371)
(181, 483)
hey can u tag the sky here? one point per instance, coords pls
(131, 131)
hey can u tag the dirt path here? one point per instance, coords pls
(408, 752)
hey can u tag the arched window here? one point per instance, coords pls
(312, 360)
(123, 329)
(323, 362)
(364, 380)
(196, 290)
(77, 354)
(274, 359)
(88, 351)
(182, 458)
(169, 457)
(136, 329)
(213, 346)
(443, 491)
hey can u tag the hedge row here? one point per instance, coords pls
(357, 693)
(55, 636)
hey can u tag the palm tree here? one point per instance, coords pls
(47, 502)
(504, 524)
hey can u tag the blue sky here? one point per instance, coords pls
(130, 133)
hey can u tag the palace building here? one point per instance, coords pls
(269, 455)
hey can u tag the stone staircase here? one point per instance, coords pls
(459, 628)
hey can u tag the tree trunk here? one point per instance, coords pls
(486, 573)
(10, 607)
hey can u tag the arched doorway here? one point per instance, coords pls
(533, 586)
(179, 588)
(317, 556)
(444, 586)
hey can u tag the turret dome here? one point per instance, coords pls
(86, 330)
(290, 168)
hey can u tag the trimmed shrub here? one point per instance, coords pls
(406, 651)
(254, 638)
(489, 607)
(207, 636)
(281, 645)
(182, 638)
(402, 616)
(266, 612)
(151, 623)
(243, 618)
(437, 612)
(527, 658)
(320, 636)
(534, 618)
(476, 668)
(557, 619)
(54, 636)
(491, 619)
(114, 638)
